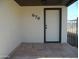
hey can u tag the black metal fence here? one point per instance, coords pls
(72, 32)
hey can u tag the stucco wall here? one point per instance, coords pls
(33, 29)
(9, 27)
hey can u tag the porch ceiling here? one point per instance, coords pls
(45, 2)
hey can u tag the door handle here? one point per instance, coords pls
(45, 26)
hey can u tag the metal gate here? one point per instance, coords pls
(72, 32)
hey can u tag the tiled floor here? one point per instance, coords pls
(40, 50)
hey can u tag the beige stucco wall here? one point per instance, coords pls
(33, 30)
(9, 26)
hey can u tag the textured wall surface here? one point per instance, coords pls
(33, 29)
(9, 27)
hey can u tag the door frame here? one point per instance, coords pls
(60, 24)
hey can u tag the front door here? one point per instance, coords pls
(52, 25)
